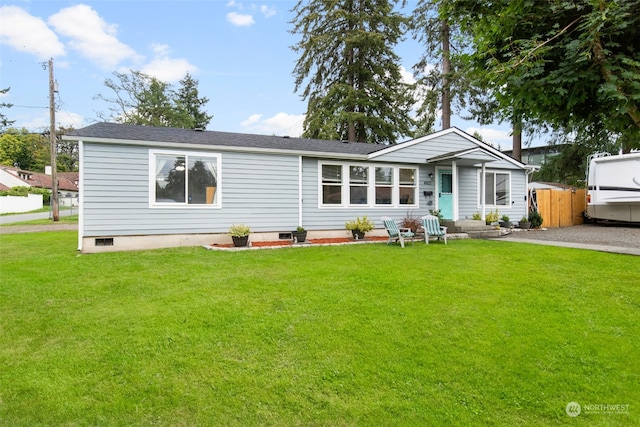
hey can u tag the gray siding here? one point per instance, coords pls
(259, 190)
(331, 218)
(420, 152)
(468, 187)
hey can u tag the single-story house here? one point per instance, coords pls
(149, 187)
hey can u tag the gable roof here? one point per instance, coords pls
(489, 151)
(132, 134)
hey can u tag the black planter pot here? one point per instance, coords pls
(239, 242)
(357, 235)
(525, 225)
(300, 236)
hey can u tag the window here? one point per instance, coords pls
(358, 185)
(384, 186)
(407, 186)
(332, 184)
(498, 189)
(343, 185)
(184, 178)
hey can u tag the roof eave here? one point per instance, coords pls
(208, 147)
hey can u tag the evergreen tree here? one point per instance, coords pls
(350, 73)
(189, 104)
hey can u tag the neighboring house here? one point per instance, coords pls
(67, 182)
(149, 187)
(538, 155)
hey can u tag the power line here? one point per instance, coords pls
(28, 106)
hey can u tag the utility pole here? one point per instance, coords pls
(52, 136)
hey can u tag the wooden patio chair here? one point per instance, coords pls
(432, 227)
(395, 232)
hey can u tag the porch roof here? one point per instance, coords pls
(469, 157)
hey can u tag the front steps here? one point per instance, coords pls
(475, 229)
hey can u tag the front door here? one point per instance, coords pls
(445, 193)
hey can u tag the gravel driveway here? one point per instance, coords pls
(589, 236)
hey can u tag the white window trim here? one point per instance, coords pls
(152, 179)
(371, 186)
(479, 188)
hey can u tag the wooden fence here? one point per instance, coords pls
(561, 208)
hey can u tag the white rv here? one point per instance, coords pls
(613, 187)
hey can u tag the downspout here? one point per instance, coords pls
(483, 189)
(454, 185)
(300, 191)
(81, 198)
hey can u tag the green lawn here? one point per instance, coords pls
(471, 333)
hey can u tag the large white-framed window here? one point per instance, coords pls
(184, 179)
(366, 185)
(331, 184)
(358, 185)
(407, 178)
(384, 185)
(497, 190)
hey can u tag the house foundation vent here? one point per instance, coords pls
(285, 236)
(108, 241)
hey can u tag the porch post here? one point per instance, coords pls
(454, 188)
(483, 186)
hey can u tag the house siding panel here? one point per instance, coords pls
(420, 152)
(116, 182)
(333, 218)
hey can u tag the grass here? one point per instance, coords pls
(471, 333)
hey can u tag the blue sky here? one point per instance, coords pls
(239, 52)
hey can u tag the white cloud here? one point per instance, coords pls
(165, 68)
(267, 11)
(501, 139)
(41, 121)
(29, 34)
(92, 36)
(281, 124)
(239, 19)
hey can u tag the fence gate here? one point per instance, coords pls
(561, 208)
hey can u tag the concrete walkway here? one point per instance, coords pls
(601, 248)
(10, 219)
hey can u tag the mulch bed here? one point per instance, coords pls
(287, 243)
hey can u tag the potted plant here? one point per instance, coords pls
(536, 219)
(492, 217)
(524, 223)
(239, 234)
(411, 222)
(359, 227)
(299, 234)
(506, 223)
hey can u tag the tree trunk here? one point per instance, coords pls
(446, 71)
(517, 138)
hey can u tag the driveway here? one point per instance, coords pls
(603, 237)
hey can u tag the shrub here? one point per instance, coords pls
(411, 222)
(535, 219)
(476, 216)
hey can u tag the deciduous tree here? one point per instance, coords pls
(141, 99)
(571, 65)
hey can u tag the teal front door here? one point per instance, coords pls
(445, 193)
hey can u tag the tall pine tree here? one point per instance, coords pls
(350, 73)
